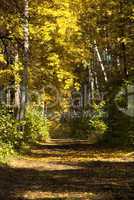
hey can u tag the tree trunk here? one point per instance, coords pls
(91, 86)
(100, 61)
(24, 84)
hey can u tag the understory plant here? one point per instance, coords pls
(10, 136)
(9, 132)
(37, 126)
(6, 151)
(13, 137)
(89, 122)
(97, 124)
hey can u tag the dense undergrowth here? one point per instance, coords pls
(85, 124)
(15, 135)
(104, 124)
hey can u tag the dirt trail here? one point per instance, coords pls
(69, 170)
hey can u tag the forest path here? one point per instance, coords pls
(66, 169)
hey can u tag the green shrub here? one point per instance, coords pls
(87, 122)
(97, 124)
(36, 127)
(10, 137)
(9, 133)
(6, 150)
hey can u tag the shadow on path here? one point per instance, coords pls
(115, 179)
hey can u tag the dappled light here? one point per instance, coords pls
(68, 171)
(66, 99)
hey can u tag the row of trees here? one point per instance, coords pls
(66, 44)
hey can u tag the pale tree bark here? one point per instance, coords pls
(24, 84)
(8, 96)
(100, 61)
(17, 89)
(17, 102)
(91, 86)
(98, 96)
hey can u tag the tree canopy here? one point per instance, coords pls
(65, 45)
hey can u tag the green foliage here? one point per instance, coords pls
(10, 136)
(97, 123)
(36, 127)
(6, 150)
(9, 133)
(62, 35)
(87, 123)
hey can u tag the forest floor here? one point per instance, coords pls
(69, 170)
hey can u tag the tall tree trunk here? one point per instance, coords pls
(100, 61)
(124, 61)
(24, 84)
(91, 86)
(123, 52)
(8, 96)
(17, 90)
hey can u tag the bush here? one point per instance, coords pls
(36, 127)
(10, 136)
(13, 139)
(9, 133)
(84, 124)
(97, 121)
(6, 150)
(97, 124)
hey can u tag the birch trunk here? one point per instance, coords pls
(24, 85)
(100, 61)
(17, 88)
(91, 86)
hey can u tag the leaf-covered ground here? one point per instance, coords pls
(67, 170)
